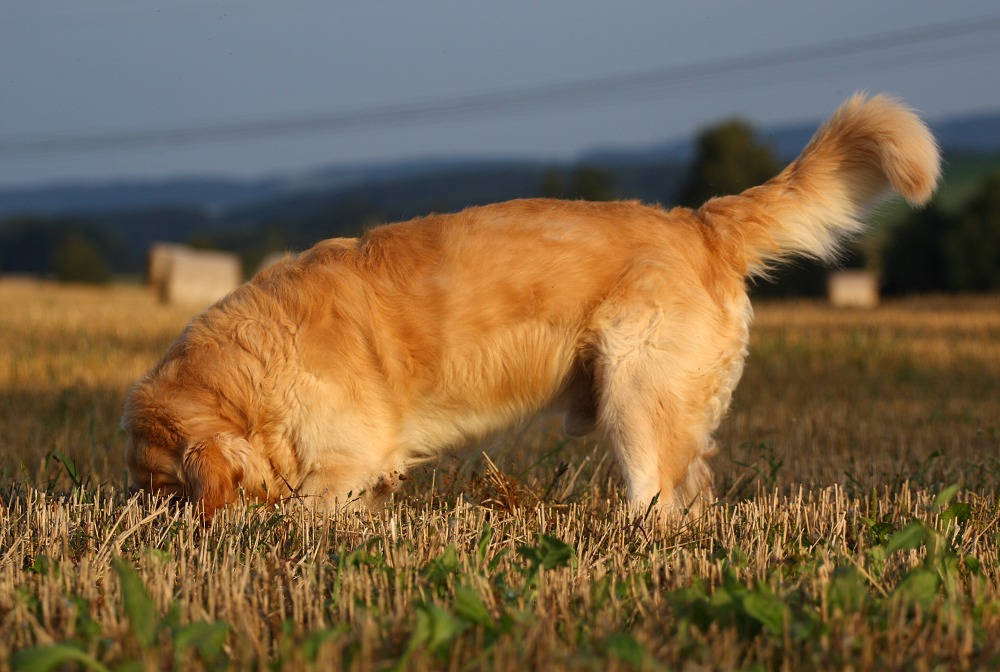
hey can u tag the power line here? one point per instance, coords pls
(690, 77)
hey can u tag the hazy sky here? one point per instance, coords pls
(76, 69)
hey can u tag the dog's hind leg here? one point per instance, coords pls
(660, 437)
(664, 370)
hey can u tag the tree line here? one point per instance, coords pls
(937, 249)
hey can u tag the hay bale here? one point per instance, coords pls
(196, 278)
(160, 255)
(852, 289)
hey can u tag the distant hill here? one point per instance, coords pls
(84, 199)
(416, 186)
(971, 134)
(974, 134)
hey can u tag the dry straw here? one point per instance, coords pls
(838, 541)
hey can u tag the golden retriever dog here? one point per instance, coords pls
(331, 373)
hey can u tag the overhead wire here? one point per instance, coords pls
(880, 50)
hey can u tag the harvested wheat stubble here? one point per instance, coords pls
(827, 549)
(778, 580)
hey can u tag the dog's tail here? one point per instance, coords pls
(869, 148)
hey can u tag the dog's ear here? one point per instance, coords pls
(213, 471)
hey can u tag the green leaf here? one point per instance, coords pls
(87, 629)
(482, 547)
(958, 513)
(879, 531)
(42, 565)
(947, 567)
(693, 606)
(623, 646)
(206, 638)
(435, 628)
(130, 666)
(495, 562)
(737, 558)
(600, 592)
(911, 536)
(43, 658)
(470, 607)
(767, 609)
(944, 497)
(876, 560)
(138, 604)
(847, 590)
(548, 553)
(366, 554)
(973, 565)
(440, 568)
(70, 467)
(727, 598)
(920, 586)
(172, 619)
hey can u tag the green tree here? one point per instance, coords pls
(77, 259)
(203, 241)
(58, 247)
(552, 184)
(914, 260)
(592, 184)
(586, 183)
(934, 251)
(972, 249)
(729, 159)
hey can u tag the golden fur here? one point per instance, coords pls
(332, 372)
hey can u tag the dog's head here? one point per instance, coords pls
(177, 444)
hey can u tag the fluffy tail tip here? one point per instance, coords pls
(909, 154)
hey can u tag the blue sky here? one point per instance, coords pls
(75, 69)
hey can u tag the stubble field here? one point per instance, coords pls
(858, 521)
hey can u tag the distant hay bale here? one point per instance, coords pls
(160, 256)
(852, 289)
(181, 275)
